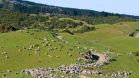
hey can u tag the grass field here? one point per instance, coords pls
(114, 37)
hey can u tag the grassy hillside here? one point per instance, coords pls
(114, 37)
(12, 21)
(18, 60)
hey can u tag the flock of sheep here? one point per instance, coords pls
(78, 69)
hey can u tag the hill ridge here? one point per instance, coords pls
(32, 7)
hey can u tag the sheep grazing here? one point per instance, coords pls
(24, 47)
(53, 41)
(69, 54)
(71, 69)
(4, 53)
(19, 50)
(40, 72)
(44, 45)
(55, 48)
(79, 59)
(37, 52)
(38, 49)
(120, 74)
(130, 54)
(57, 56)
(86, 72)
(30, 46)
(45, 39)
(78, 47)
(60, 37)
(49, 45)
(9, 71)
(50, 56)
(7, 57)
(4, 75)
(66, 42)
(62, 76)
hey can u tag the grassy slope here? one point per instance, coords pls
(114, 37)
(13, 41)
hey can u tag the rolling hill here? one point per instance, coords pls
(20, 14)
(16, 45)
(66, 42)
(12, 21)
